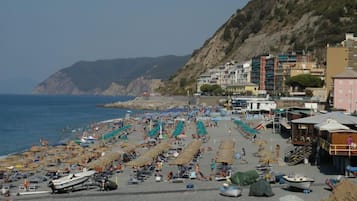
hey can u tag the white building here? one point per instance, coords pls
(225, 75)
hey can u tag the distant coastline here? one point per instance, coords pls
(150, 103)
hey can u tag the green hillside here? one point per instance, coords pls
(88, 75)
(272, 26)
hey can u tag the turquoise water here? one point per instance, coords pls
(24, 119)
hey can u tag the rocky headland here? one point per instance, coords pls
(150, 103)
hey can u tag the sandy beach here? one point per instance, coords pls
(203, 189)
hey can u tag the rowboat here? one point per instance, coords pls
(70, 180)
(298, 181)
(230, 190)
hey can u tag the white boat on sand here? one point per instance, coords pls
(70, 180)
(298, 181)
(230, 190)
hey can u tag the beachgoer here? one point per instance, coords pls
(349, 140)
(277, 150)
(120, 167)
(213, 165)
(26, 184)
(170, 176)
(223, 173)
(197, 168)
(243, 156)
(198, 172)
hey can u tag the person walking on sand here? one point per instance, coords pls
(243, 152)
(26, 185)
(229, 131)
(213, 166)
(199, 173)
(243, 156)
(277, 151)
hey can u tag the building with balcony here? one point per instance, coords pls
(227, 75)
(263, 72)
(243, 89)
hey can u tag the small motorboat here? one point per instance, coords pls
(230, 190)
(70, 180)
(298, 181)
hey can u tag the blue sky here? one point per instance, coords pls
(40, 37)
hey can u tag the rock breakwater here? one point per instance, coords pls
(150, 103)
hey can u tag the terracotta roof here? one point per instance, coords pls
(348, 73)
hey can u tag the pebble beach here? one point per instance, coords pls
(202, 189)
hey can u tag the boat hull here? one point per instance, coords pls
(231, 191)
(303, 183)
(70, 180)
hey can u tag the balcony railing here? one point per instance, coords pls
(338, 149)
(343, 149)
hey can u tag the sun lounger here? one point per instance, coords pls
(178, 180)
(219, 178)
(351, 170)
(133, 181)
(193, 175)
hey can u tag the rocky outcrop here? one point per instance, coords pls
(135, 88)
(58, 83)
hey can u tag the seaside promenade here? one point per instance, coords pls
(203, 189)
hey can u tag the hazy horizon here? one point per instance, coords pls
(40, 37)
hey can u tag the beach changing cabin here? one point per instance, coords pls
(334, 133)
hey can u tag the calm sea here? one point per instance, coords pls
(24, 119)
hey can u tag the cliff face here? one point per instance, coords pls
(58, 83)
(134, 88)
(270, 26)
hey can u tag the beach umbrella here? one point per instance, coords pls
(181, 136)
(225, 153)
(267, 157)
(188, 153)
(51, 169)
(33, 165)
(36, 149)
(129, 148)
(27, 154)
